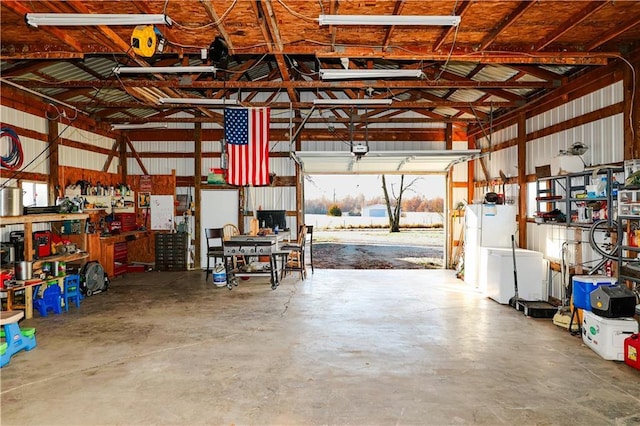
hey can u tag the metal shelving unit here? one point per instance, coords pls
(566, 191)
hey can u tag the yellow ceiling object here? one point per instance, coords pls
(146, 40)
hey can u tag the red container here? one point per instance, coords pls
(632, 351)
(128, 221)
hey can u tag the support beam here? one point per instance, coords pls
(197, 168)
(631, 110)
(522, 176)
(122, 163)
(54, 144)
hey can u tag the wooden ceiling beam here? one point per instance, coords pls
(213, 15)
(397, 9)
(506, 22)
(603, 38)
(452, 81)
(434, 102)
(418, 53)
(19, 8)
(388, 118)
(462, 9)
(570, 23)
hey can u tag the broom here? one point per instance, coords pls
(513, 302)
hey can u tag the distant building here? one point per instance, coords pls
(375, 210)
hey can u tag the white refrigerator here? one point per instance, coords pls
(486, 225)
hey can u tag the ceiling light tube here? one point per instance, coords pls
(164, 70)
(444, 20)
(132, 126)
(198, 101)
(347, 74)
(80, 19)
(352, 101)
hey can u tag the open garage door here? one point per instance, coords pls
(381, 162)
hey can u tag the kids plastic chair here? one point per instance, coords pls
(71, 290)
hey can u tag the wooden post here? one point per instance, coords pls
(299, 189)
(522, 180)
(122, 161)
(471, 172)
(197, 166)
(54, 163)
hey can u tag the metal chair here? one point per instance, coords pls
(215, 247)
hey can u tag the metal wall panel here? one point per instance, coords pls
(605, 139)
(161, 166)
(593, 101)
(84, 136)
(14, 117)
(460, 172)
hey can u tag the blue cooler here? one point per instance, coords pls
(583, 285)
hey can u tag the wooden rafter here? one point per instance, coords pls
(506, 22)
(397, 9)
(613, 33)
(462, 9)
(569, 24)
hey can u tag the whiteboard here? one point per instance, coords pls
(162, 212)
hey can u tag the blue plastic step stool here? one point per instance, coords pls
(15, 340)
(71, 290)
(51, 299)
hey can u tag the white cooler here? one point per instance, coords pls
(496, 274)
(606, 335)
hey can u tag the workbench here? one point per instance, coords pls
(140, 246)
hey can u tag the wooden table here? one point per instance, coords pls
(28, 286)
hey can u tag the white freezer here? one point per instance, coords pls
(486, 225)
(496, 277)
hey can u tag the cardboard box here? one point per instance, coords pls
(543, 171)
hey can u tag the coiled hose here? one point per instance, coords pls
(15, 157)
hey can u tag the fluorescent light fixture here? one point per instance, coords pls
(198, 101)
(163, 70)
(445, 20)
(133, 126)
(352, 101)
(347, 74)
(80, 19)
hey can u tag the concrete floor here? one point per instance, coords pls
(349, 347)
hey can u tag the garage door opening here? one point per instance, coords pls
(351, 221)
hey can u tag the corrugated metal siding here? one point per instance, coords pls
(89, 138)
(18, 118)
(74, 157)
(605, 139)
(162, 166)
(460, 172)
(604, 97)
(548, 239)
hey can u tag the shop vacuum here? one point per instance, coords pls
(534, 309)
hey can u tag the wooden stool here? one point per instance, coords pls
(15, 340)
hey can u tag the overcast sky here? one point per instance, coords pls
(429, 186)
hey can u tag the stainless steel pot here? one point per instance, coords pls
(23, 270)
(11, 201)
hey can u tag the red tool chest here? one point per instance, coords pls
(127, 221)
(120, 254)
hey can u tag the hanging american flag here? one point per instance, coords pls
(247, 134)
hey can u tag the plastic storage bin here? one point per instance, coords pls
(583, 285)
(606, 336)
